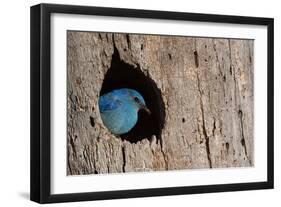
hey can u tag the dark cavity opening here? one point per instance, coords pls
(123, 75)
(92, 121)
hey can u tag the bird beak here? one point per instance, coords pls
(146, 109)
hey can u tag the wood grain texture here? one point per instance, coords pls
(207, 89)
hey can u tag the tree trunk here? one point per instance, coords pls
(206, 86)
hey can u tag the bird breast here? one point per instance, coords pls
(121, 120)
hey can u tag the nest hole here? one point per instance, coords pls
(124, 75)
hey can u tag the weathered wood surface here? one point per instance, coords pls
(207, 89)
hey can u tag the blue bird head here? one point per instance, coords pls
(119, 109)
(136, 99)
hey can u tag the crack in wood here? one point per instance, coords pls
(219, 67)
(234, 74)
(128, 41)
(124, 158)
(206, 137)
(214, 127)
(243, 141)
(73, 146)
(196, 60)
(163, 153)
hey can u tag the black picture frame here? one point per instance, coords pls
(41, 96)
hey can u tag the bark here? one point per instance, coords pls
(206, 86)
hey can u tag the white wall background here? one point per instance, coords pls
(14, 101)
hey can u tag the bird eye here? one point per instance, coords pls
(137, 99)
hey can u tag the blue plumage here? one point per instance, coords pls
(119, 109)
(108, 102)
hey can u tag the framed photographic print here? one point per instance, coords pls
(132, 103)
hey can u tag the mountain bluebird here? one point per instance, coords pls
(119, 109)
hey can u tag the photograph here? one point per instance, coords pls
(129, 103)
(156, 102)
